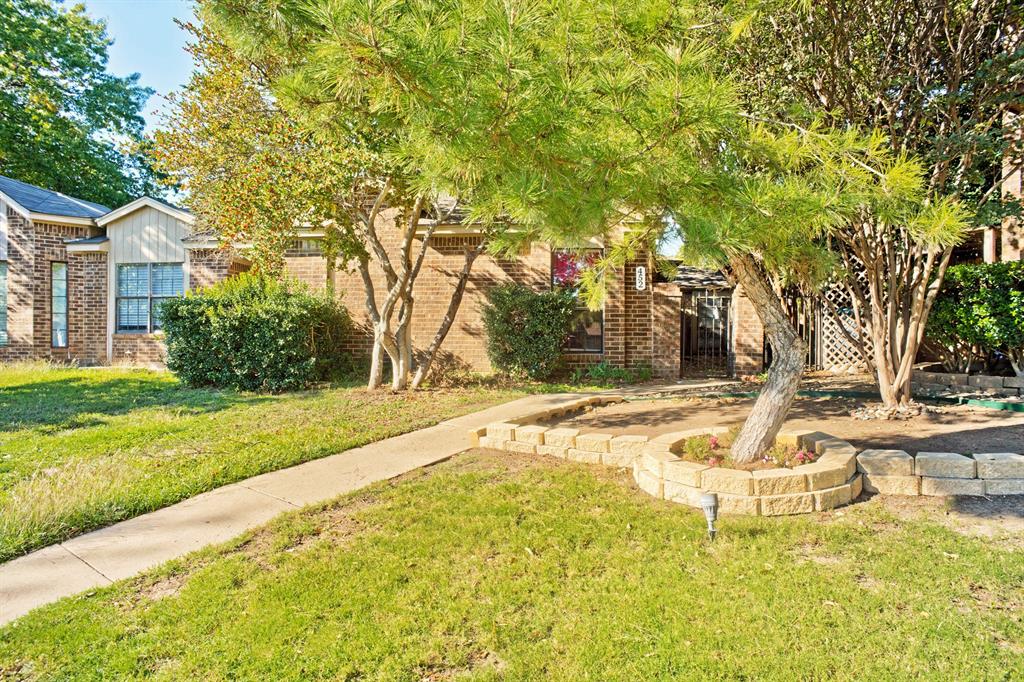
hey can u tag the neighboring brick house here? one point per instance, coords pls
(80, 282)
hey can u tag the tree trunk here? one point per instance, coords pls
(402, 368)
(376, 365)
(893, 306)
(788, 352)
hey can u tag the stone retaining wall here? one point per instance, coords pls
(835, 479)
(937, 383)
(831, 481)
(895, 472)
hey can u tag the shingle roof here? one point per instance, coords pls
(99, 239)
(688, 277)
(39, 200)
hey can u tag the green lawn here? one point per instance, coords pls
(497, 567)
(82, 448)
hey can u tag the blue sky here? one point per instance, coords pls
(148, 42)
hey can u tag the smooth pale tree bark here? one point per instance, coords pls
(892, 302)
(391, 319)
(758, 433)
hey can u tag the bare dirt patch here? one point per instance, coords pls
(168, 586)
(812, 553)
(999, 520)
(956, 428)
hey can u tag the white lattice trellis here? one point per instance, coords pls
(837, 352)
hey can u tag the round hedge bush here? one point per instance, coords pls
(255, 333)
(526, 329)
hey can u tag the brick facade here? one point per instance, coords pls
(641, 326)
(32, 248)
(666, 304)
(138, 349)
(207, 267)
(87, 307)
(748, 336)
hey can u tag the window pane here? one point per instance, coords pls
(3, 304)
(59, 305)
(157, 316)
(168, 280)
(59, 337)
(132, 280)
(133, 314)
(588, 334)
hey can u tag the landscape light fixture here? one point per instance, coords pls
(709, 503)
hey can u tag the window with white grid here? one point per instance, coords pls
(141, 290)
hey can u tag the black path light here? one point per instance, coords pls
(709, 503)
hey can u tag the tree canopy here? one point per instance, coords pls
(65, 122)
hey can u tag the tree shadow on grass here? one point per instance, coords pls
(74, 402)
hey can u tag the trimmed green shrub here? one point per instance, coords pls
(255, 333)
(954, 325)
(980, 312)
(526, 329)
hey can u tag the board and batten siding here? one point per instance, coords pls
(143, 236)
(147, 236)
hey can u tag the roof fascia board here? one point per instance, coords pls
(62, 219)
(101, 247)
(144, 202)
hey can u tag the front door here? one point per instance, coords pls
(705, 333)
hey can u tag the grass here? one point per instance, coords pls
(496, 567)
(82, 448)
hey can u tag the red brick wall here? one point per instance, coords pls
(20, 291)
(464, 345)
(207, 266)
(629, 332)
(748, 335)
(31, 249)
(87, 307)
(666, 306)
(139, 349)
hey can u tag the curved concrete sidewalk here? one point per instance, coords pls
(130, 547)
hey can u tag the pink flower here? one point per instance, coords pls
(713, 442)
(712, 461)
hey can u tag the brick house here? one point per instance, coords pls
(81, 282)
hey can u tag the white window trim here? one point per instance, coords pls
(149, 298)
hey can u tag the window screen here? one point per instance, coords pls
(141, 289)
(3, 304)
(59, 305)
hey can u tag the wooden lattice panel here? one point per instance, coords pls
(837, 352)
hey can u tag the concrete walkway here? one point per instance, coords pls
(130, 547)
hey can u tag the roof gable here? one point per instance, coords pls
(146, 202)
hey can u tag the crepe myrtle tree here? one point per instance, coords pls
(369, 120)
(941, 80)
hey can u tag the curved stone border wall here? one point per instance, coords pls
(895, 472)
(835, 479)
(830, 482)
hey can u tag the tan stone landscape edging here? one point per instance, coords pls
(895, 472)
(831, 481)
(835, 479)
(942, 382)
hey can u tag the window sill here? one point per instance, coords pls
(138, 335)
